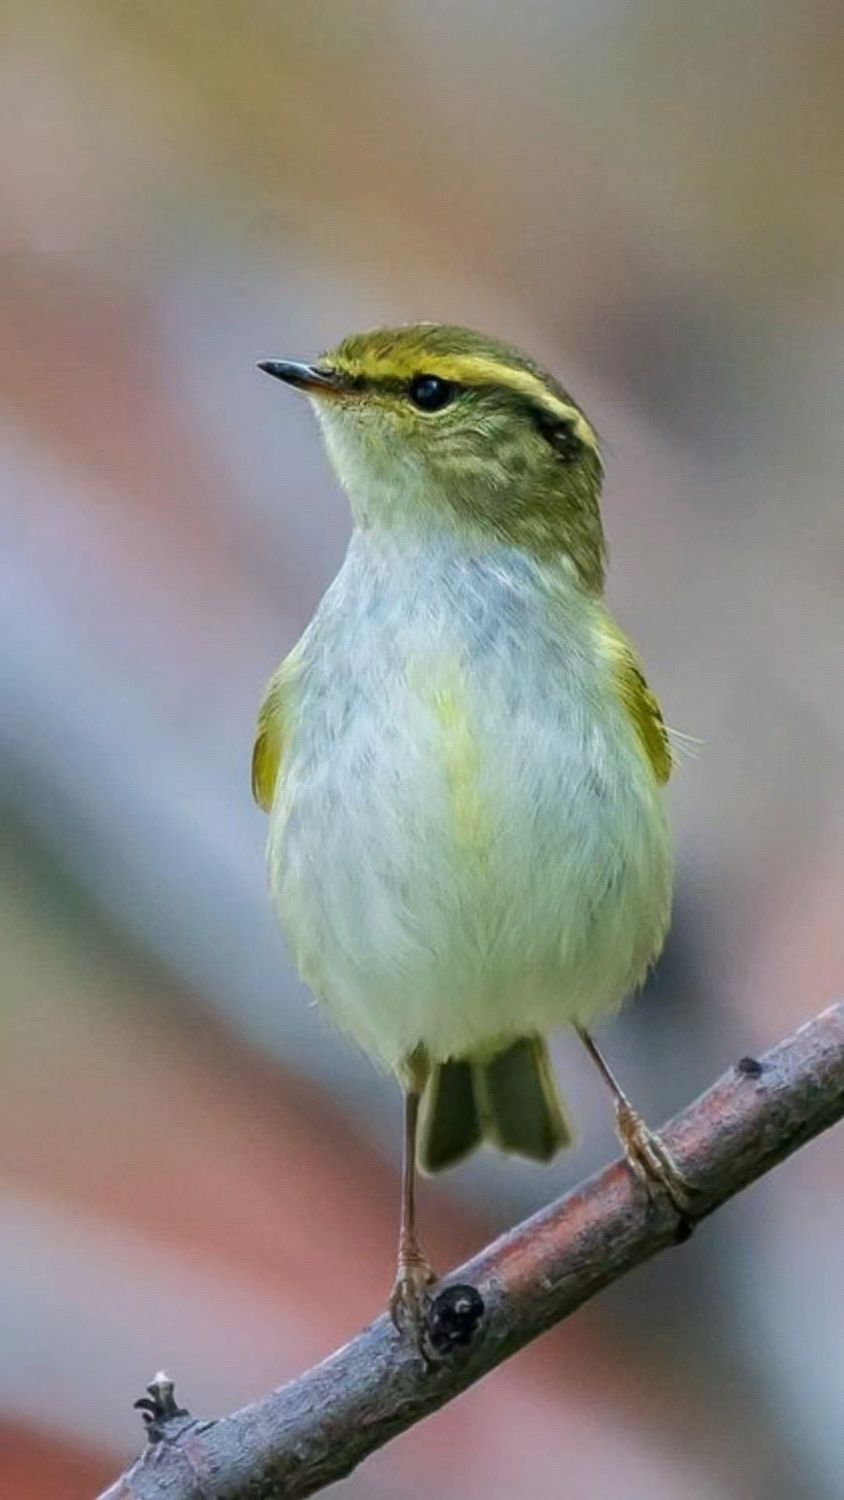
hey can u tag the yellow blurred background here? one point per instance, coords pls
(196, 1173)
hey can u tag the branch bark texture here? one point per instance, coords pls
(313, 1431)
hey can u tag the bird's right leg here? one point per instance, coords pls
(649, 1158)
(410, 1298)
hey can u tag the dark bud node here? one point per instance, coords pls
(749, 1067)
(453, 1317)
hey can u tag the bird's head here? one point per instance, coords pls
(431, 426)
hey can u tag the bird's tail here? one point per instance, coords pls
(510, 1100)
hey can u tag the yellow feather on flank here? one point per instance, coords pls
(637, 700)
(270, 735)
(440, 685)
(462, 765)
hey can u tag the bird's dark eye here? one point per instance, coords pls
(430, 393)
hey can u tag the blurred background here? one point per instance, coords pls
(196, 1172)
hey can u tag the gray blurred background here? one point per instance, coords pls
(195, 1171)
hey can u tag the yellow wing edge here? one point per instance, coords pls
(638, 702)
(271, 733)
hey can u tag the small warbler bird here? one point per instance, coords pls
(461, 758)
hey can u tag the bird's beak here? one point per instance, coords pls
(308, 378)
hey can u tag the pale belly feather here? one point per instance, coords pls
(467, 842)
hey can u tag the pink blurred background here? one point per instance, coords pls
(196, 1173)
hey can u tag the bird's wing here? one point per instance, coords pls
(272, 731)
(638, 702)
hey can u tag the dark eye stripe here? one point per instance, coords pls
(432, 393)
(561, 435)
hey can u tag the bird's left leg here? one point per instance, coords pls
(410, 1299)
(648, 1157)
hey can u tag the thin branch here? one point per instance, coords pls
(312, 1432)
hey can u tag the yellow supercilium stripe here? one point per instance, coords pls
(477, 370)
(472, 369)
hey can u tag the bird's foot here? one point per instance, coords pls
(654, 1166)
(410, 1300)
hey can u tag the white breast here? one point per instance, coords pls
(467, 842)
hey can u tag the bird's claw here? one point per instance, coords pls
(654, 1166)
(410, 1302)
